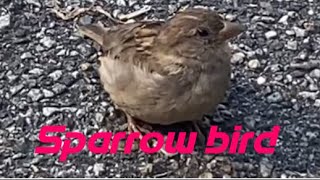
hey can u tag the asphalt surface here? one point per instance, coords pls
(48, 77)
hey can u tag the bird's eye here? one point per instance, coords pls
(203, 32)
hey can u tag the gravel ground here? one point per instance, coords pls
(48, 76)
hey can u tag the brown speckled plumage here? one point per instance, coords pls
(166, 72)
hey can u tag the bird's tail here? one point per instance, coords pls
(94, 32)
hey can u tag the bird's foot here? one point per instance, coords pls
(135, 126)
(202, 138)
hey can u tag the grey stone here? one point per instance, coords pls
(80, 113)
(56, 75)
(274, 97)
(308, 95)
(261, 80)
(238, 58)
(303, 55)
(292, 45)
(62, 52)
(35, 94)
(99, 117)
(299, 32)
(315, 73)
(254, 64)
(34, 2)
(48, 111)
(97, 168)
(271, 34)
(265, 168)
(85, 20)
(313, 87)
(206, 175)
(12, 77)
(121, 3)
(284, 19)
(311, 12)
(132, 2)
(290, 32)
(47, 93)
(15, 89)
(26, 55)
(74, 53)
(317, 103)
(4, 21)
(36, 71)
(58, 88)
(39, 48)
(47, 42)
(85, 66)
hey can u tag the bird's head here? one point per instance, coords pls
(202, 24)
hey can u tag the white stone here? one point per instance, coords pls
(284, 19)
(311, 12)
(47, 42)
(317, 103)
(121, 3)
(97, 168)
(48, 111)
(271, 34)
(292, 45)
(290, 32)
(289, 78)
(254, 64)
(237, 58)
(261, 80)
(4, 21)
(47, 93)
(55, 75)
(299, 32)
(35, 94)
(308, 95)
(315, 73)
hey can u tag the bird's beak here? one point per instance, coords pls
(230, 30)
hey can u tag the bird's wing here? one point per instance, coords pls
(133, 43)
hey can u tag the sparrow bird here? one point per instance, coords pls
(166, 72)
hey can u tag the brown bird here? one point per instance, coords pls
(166, 72)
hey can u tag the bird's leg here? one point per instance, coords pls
(133, 125)
(201, 135)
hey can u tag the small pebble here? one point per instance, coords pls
(275, 97)
(26, 55)
(47, 42)
(206, 175)
(48, 111)
(4, 21)
(85, 66)
(299, 32)
(237, 58)
(292, 45)
(47, 93)
(311, 12)
(315, 73)
(254, 64)
(261, 80)
(56, 75)
(308, 95)
(121, 3)
(35, 94)
(265, 168)
(284, 19)
(271, 34)
(317, 103)
(97, 168)
(290, 32)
